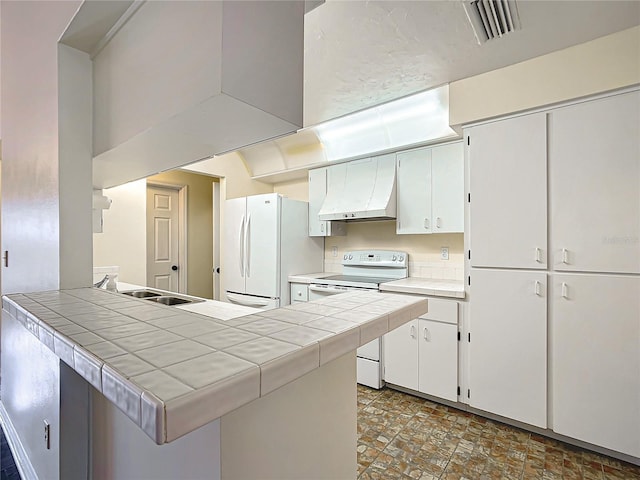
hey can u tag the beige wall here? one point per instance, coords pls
(294, 189)
(199, 228)
(597, 66)
(235, 180)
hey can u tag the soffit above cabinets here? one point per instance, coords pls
(177, 82)
(418, 119)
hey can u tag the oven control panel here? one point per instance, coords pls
(377, 258)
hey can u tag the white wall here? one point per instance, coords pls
(31, 170)
(160, 63)
(123, 241)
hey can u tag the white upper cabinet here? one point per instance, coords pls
(317, 194)
(594, 181)
(508, 179)
(430, 190)
(596, 359)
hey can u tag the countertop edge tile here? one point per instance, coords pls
(122, 393)
(88, 366)
(152, 417)
(189, 412)
(280, 371)
(337, 345)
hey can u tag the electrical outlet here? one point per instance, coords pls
(334, 251)
(444, 253)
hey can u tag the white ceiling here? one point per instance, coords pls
(361, 53)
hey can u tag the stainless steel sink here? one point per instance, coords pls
(164, 298)
(172, 300)
(142, 294)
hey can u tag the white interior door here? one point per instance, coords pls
(163, 232)
(216, 239)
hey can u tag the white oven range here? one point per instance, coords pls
(364, 270)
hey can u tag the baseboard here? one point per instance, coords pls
(19, 453)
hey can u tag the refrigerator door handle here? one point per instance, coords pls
(241, 300)
(247, 243)
(241, 240)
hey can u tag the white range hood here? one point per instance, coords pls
(361, 190)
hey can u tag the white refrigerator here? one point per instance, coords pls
(266, 239)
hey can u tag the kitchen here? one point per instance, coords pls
(428, 256)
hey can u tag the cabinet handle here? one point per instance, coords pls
(565, 256)
(426, 223)
(538, 288)
(426, 334)
(412, 331)
(438, 222)
(565, 290)
(538, 255)
(322, 227)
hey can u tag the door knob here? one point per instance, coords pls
(174, 267)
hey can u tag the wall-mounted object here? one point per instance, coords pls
(100, 203)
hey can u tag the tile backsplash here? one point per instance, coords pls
(424, 250)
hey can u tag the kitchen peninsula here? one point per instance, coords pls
(266, 395)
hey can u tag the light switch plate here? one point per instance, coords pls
(444, 253)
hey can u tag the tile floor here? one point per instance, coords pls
(8, 469)
(402, 437)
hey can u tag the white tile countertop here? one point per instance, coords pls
(172, 371)
(426, 286)
(309, 277)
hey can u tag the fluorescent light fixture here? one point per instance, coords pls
(415, 119)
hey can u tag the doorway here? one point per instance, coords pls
(166, 237)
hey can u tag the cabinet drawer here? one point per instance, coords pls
(299, 292)
(442, 311)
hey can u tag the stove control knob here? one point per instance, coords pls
(350, 257)
(401, 258)
(345, 257)
(394, 258)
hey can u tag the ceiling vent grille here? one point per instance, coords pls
(492, 19)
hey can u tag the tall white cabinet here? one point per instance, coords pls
(596, 359)
(555, 269)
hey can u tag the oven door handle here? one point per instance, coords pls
(323, 289)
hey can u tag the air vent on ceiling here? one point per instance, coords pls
(492, 18)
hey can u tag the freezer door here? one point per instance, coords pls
(255, 302)
(234, 244)
(263, 246)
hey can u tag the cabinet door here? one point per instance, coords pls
(414, 191)
(508, 344)
(317, 192)
(447, 187)
(595, 325)
(594, 179)
(438, 354)
(508, 187)
(400, 356)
